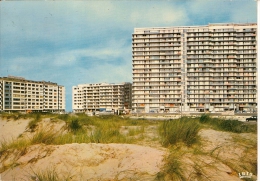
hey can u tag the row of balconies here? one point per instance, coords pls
(220, 91)
(238, 64)
(220, 70)
(246, 81)
(222, 65)
(156, 62)
(216, 43)
(157, 58)
(147, 90)
(22, 107)
(173, 40)
(233, 48)
(230, 76)
(195, 91)
(219, 62)
(197, 38)
(31, 103)
(230, 39)
(173, 67)
(156, 45)
(220, 34)
(159, 92)
(207, 90)
(223, 78)
(220, 102)
(156, 52)
(139, 73)
(233, 39)
(222, 57)
(152, 85)
(162, 80)
(222, 52)
(136, 72)
(172, 35)
(221, 95)
(174, 55)
(138, 79)
(102, 93)
(97, 97)
(230, 82)
(148, 53)
(99, 103)
(29, 92)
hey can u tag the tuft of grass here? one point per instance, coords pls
(74, 125)
(42, 136)
(47, 175)
(108, 135)
(20, 144)
(204, 118)
(173, 168)
(180, 130)
(32, 125)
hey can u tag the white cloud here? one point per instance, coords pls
(109, 52)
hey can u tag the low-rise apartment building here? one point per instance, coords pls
(101, 96)
(19, 94)
(195, 68)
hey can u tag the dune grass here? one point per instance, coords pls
(234, 126)
(179, 130)
(14, 144)
(173, 168)
(47, 175)
(33, 123)
(81, 128)
(107, 129)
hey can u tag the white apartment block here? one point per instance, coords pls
(19, 94)
(101, 96)
(209, 68)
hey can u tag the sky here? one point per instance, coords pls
(77, 42)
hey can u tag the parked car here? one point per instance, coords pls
(252, 118)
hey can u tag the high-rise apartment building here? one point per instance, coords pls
(19, 94)
(195, 69)
(101, 96)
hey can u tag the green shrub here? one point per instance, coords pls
(74, 125)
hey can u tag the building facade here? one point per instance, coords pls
(209, 68)
(101, 96)
(19, 94)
